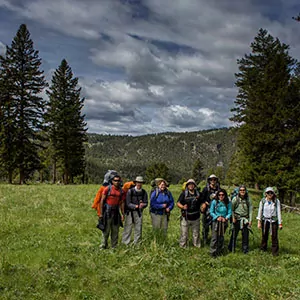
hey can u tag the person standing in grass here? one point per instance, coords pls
(241, 219)
(112, 202)
(136, 201)
(189, 203)
(208, 194)
(269, 220)
(161, 204)
(220, 211)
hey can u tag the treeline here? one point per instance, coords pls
(43, 135)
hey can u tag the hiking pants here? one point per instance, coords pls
(112, 229)
(273, 229)
(217, 238)
(184, 228)
(132, 220)
(234, 234)
(206, 224)
(160, 222)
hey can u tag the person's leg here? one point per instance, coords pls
(195, 225)
(245, 238)
(184, 233)
(138, 223)
(214, 240)
(234, 235)
(265, 234)
(127, 229)
(105, 233)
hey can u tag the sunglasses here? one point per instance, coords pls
(270, 193)
(242, 190)
(116, 180)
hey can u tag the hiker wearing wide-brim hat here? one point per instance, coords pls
(208, 194)
(189, 203)
(161, 204)
(136, 202)
(269, 219)
(139, 179)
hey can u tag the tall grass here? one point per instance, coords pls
(49, 247)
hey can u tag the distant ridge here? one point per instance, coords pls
(131, 155)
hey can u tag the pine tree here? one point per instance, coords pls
(157, 170)
(66, 123)
(261, 108)
(197, 172)
(7, 125)
(27, 82)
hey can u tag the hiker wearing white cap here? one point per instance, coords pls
(136, 201)
(269, 219)
(208, 194)
(189, 203)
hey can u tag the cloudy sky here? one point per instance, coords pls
(149, 66)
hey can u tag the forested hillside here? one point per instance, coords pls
(179, 151)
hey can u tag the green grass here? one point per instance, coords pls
(49, 249)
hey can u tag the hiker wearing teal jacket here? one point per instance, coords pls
(220, 210)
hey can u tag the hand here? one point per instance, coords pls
(220, 219)
(259, 225)
(249, 224)
(233, 220)
(280, 227)
(164, 205)
(185, 207)
(136, 206)
(122, 218)
(141, 205)
(167, 209)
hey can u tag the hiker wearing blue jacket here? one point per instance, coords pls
(161, 204)
(220, 211)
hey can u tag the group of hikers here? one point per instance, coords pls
(123, 205)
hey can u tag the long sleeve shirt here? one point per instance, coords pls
(219, 209)
(158, 199)
(270, 211)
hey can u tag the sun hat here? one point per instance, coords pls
(269, 189)
(190, 181)
(139, 179)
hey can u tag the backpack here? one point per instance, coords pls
(109, 175)
(238, 202)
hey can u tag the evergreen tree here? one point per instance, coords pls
(26, 83)
(66, 123)
(7, 125)
(197, 172)
(157, 170)
(261, 109)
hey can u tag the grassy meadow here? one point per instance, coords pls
(49, 249)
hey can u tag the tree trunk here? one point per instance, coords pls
(54, 172)
(22, 175)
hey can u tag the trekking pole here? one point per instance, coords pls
(233, 238)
